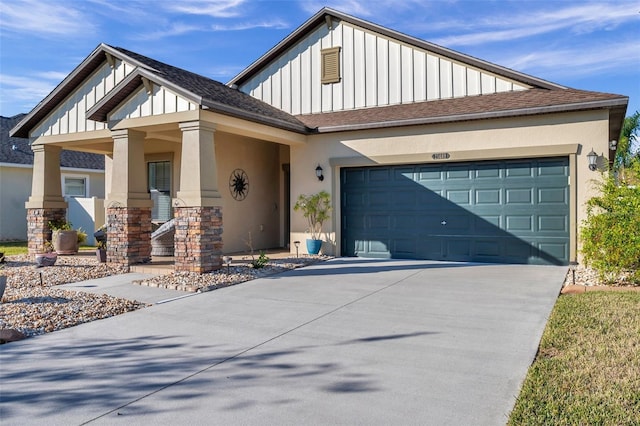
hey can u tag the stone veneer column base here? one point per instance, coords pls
(198, 239)
(128, 235)
(38, 231)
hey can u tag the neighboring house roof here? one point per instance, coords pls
(507, 104)
(18, 151)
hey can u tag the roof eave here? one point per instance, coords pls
(611, 104)
(66, 86)
(257, 118)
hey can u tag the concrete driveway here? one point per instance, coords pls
(349, 341)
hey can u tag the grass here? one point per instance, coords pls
(587, 371)
(11, 248)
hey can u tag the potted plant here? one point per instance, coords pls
(101, 251)
(48, 257)
(315, 208)
(64, 237)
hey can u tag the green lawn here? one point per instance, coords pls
(587, 371)
(11, 248)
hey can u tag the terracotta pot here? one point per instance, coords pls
(65, 242)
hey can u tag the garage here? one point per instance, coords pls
(509, 211)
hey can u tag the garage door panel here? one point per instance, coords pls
(487, 225)
(458, 248)
(405, 247)
(378, 199)
(518, 223)
(552, 196)
(553, 168)
(488, 196)
(553, 249)
(549, 223)
(487, 248)
(514, 211)
(519, 196)
(379, 222)
(429, 174)
(488, 171)
(407, 199)
(457, 172)
(518, 170)
(459, 196)
(378, 175)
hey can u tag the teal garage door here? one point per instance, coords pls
(514, 211)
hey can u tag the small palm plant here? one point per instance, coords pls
(315, 208)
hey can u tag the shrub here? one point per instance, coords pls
(611, 232)
(261, 261)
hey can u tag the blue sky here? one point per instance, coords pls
(589, 45)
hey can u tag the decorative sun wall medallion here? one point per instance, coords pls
(239, 184)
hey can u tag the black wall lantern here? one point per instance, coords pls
(593, 160)
(319, 173)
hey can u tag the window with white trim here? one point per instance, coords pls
(74, 186)
(159, 178)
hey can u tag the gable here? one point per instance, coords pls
(157, 101)
(70, 115)
(375, 70)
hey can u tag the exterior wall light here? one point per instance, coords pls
(593, 160)
(613, 144)
(319, 174)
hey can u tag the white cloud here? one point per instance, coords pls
(368, 8)
(275, 24)
(44, 18)
(578, 19)
(579, 60)
(174, 29)
(213, 8)
(25, 92)
(225, 71)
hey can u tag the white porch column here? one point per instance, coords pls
(198, 168)
(198, 203)
(46, 186)
(128, 202)
(128, 171)
(45, 203)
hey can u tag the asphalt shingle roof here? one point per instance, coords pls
(22, 153)
(505, 104)
(212, 90)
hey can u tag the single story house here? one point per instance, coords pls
(427, 153)
(81, 176)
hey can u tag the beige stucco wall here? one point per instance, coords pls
(563, 134)
(15, 188)
(261, 211)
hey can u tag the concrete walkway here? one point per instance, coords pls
(349, 341)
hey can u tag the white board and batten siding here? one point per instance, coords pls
(70, 116)
(160, 101)
(375, 71)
